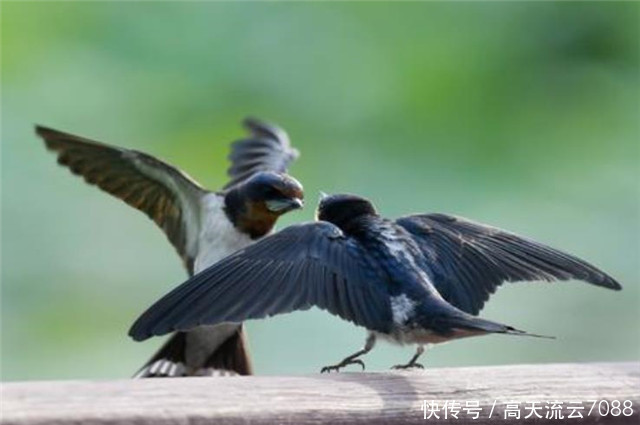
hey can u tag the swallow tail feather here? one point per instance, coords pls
(473, 323)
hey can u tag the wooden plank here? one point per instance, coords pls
(345, 398)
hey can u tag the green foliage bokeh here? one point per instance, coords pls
(522, 115)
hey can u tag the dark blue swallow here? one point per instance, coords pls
(420, 279)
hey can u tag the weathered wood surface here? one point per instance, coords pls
(345, 398)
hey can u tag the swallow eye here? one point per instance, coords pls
(272, 192)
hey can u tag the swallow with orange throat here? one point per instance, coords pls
(203, 226)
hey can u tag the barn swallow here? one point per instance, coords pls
(203, 226)
(420, 279)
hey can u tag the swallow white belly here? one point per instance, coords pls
(425, 336)
(204, 340)
(218, 239)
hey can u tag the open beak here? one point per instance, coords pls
(284, 204)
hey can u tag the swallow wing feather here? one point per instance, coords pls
(168, 196)
(267, 148)
(470, 260)
(305, 265)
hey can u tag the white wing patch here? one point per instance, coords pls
(402, 308)
(395, 245)
(398, 249)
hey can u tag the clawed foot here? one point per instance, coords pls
(344, 363)
(415, 365)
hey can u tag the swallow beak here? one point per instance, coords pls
(284, 205)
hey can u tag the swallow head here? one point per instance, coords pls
(276, 193)
(255, 205)
(341, 209)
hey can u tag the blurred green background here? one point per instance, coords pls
(521, 115)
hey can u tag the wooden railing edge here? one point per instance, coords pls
(598, 392)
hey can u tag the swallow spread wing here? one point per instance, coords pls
(305, 265)
(470, 260)
(266, 149)
(167, 195)
(418, 279)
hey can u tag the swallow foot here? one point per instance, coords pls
(410, 365)
(413, 363)
(342, 364)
